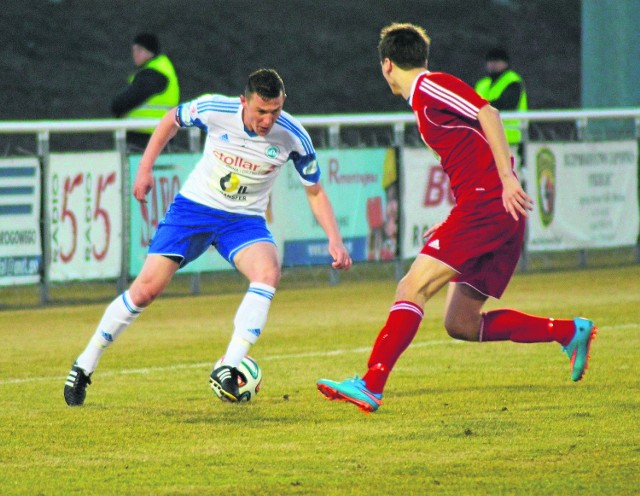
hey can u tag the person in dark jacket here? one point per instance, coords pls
(152, 89)
(505, 90)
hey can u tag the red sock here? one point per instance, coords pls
(505, 325)
(400, 329)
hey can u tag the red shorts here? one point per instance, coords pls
(480, 241)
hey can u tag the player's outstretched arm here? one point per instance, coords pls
(323, 212)
(166, 129)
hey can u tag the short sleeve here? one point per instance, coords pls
(201, 111)
(303, 154)
(188, 115)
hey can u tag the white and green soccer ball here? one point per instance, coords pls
(249, 378)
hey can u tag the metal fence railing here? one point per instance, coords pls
(327, 131)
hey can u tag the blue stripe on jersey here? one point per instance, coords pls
(218, 105)
(298, 132)
(217, 108)
(201, 125)
(261, 292)
(229, 103)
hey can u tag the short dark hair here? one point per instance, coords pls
(405, 44)
(148, 41)
(267, 83)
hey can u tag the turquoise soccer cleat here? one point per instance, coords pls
(578, 349)
(352, 390)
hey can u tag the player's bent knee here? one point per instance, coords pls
(274, 277)
(270, 277)
(144, 295)
(459, 332)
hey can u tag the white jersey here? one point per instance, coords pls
(238, 167)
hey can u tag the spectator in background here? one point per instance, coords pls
(152, 90)
(505, 90)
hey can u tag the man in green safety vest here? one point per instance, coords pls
(505, 90)
(152, 90)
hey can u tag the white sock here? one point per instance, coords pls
(116, 318)
(250, 319)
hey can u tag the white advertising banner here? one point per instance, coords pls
(20, 243)
(85, 208)
(585, 194)
(426, 197)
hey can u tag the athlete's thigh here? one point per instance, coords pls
(425, 278)
(259, 262)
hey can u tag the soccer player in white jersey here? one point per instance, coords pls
(222, 203)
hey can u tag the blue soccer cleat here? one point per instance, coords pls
(578, 349)
(352, 390)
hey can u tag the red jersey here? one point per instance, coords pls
(447, 112)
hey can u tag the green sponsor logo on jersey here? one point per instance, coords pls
(272, 152)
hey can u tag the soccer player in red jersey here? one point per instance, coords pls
(476, 249)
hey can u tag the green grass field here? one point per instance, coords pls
(457, 418)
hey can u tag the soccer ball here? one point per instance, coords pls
(249, 378)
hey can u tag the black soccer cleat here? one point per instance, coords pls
(75, 388)
(224, 382)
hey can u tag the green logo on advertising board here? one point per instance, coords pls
(546, 184)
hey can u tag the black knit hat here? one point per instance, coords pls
(148, 41)
(497, 54)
